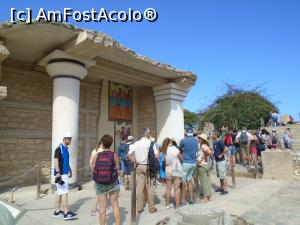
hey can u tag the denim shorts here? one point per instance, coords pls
(128, 167)
(102, 189)
(122, 165)
(188, 171)
(231, 151)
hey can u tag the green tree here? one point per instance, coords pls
(238, 108)
(190, 118)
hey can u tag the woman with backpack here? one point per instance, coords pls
(95, 151)
(105, 175)
(275, 141)
(162, 169)
(173, 170)
(204, 167)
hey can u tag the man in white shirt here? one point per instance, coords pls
(244, 138)
(140, 149)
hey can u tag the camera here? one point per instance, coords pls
(58, 180)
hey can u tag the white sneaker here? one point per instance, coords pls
(69, 216)
(168, 207)
(58, 214)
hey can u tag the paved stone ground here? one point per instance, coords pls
(283, 207)
(262, 202)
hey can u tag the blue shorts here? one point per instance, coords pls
(231, 150)
(188, 172)
(122, 165)
(128, 167)
(260, 149)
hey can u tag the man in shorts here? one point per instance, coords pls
(229, 143)
(219, 153)
(62, 174)
(189, 149)
(128, 165)
(244, 138)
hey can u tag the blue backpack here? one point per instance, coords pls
(244, 138)
(123, 151)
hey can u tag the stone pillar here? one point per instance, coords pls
(169, 111)
(66, 74)
(4, 53)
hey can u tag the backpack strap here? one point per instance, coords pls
(151, 145)
(148, 164)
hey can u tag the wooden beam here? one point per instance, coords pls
(125, 69)
(99, 73)
(129, 73)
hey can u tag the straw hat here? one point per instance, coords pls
(203, 137)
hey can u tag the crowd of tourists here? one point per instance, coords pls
(275, 121)
(174, 164)
(245, 147)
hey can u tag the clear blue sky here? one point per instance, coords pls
(244, 42)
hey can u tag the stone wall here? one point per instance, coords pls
(296, 164)
(146, 108)
(277, 165)
(26, 121)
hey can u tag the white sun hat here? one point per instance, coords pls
(67, 135)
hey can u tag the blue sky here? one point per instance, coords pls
(243, 42)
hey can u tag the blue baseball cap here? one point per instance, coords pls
(189, 132)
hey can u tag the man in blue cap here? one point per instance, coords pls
(189, 149)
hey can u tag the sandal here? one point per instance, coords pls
(153, 211)
(94, 212)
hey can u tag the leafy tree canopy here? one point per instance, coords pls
(191, 119)
(238, 108)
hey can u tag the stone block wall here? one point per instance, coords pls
(146, 107)
(26, 122)
(277, 165)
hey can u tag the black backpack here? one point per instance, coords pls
(260, 139)
(153, 165)
(274, 139)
